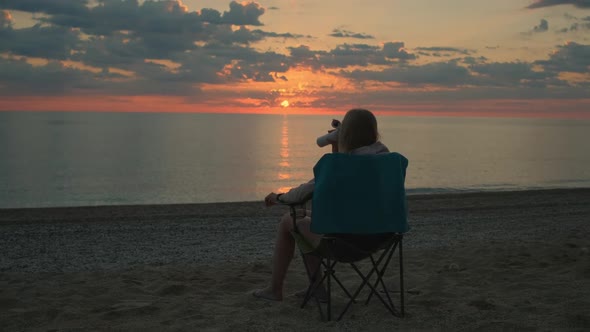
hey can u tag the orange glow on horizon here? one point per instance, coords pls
(296, 88)
(548, 108)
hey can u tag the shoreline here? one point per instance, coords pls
(128, 212)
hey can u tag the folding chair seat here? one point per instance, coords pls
(359, 205)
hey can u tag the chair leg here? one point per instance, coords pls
(312, 286)
(381, 272)
(401, 277)
(380, 279)
(358, 290)
(335, 279)
(366, 282)
(343, 288)
(329, 272)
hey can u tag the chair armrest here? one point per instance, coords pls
(293, 212)
(301, 202)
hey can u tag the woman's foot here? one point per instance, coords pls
(267, 294)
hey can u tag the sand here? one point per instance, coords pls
(486, 261)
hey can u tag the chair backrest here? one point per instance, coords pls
(360, 194)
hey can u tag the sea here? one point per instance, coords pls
(57, 159)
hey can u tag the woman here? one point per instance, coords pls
(358, 134)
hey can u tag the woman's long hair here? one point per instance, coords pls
(358, 128)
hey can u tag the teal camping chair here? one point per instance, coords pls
(359, 205)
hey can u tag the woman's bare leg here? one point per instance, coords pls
(312, 262)
(283, 254)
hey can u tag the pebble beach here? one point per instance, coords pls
(476, 261)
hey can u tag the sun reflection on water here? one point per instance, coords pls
(284, 165)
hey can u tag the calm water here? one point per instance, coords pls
(73, 159)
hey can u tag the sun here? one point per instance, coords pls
(285, 103)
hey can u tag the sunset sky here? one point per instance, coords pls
(415, 57)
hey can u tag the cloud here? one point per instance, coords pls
(542, 27)
(52, 7)
(225, 34)
(345, 55)
(339, 33)
(244, 35)
(415, 99)
(110, 16)
(113, 51)
(304, 55)
(243, 14)
(443, 73)
(259, 67)
(512, 74)
(21, 78)
(470, 60)
(396, 50)
(581, 24)
(124, 32)
(436, 50)
(45, 42)
(571, 57)
(549, 3)
(575, 27)
(161, 47)
(113, 34)
(468, 72)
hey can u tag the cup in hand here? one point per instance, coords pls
(331, 137)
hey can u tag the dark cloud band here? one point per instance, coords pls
(549, 3)
(339, 33)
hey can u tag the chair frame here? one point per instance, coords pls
(329, 259)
